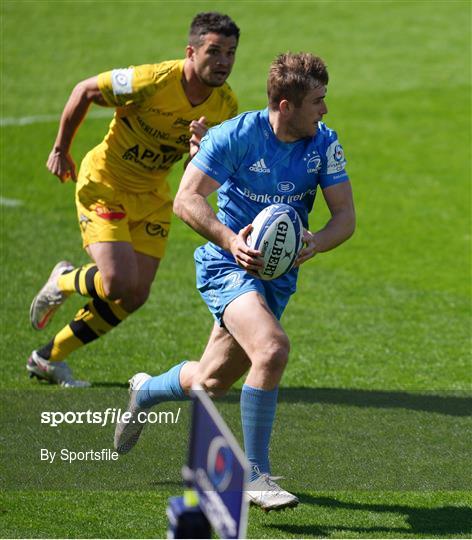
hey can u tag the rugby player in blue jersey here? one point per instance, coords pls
(278, 155)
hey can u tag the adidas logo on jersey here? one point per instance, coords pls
(259, 166)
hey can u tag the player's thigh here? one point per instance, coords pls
(101, 212)
(149, 224)
(250, 321)
(223, 361)
(147, 269)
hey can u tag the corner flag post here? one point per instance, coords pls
(217, 468)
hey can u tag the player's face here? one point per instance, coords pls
(304, 119)
(214, 58)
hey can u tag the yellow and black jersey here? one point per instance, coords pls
(150, 128)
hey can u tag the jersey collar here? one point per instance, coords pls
(273, 138)
(183, 95)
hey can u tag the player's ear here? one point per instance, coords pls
(285, 107)
(189, 52)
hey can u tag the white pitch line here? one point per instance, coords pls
(12, 203)
(49, 118)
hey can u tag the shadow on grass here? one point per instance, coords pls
(449, 405)
(445, 520)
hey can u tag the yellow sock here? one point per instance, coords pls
(94, 320)
(86, 280)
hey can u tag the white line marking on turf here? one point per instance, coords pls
(10, 202)
(49, 118)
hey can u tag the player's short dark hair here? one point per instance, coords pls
(211, 21)
(292, 76)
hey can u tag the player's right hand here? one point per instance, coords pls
(62, 165)
(249, 259)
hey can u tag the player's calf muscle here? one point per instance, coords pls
(214, 388)
(215, 384)
(130, 297)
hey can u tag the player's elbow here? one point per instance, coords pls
(80, 91)
(182, 204)
(179, 206)
(87, 91)
(349, 223)
(346, 219)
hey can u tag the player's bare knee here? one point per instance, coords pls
(141, 295)
(273, 356)
(118, 286)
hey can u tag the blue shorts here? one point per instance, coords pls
(220, 281)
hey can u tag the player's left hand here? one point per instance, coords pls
(198, 128)
(309, 250)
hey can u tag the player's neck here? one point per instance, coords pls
(280, 129)
(196, 91)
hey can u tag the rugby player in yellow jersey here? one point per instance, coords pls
(123, 199)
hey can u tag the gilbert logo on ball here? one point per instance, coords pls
(277, 233)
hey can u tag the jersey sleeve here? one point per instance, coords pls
(333, 162)
(218, 153)
(133, 85)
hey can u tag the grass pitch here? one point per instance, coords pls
(373, 427)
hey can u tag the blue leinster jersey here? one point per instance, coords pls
(255, 169)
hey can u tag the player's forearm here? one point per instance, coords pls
(338, 229)
(195, 211)
(75, 110)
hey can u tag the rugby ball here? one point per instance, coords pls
(277, 233)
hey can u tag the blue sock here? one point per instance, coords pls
(257, 416)
(165, 387)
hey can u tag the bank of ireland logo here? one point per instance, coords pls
(313, 162)
(220, 463)
(285, 187)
